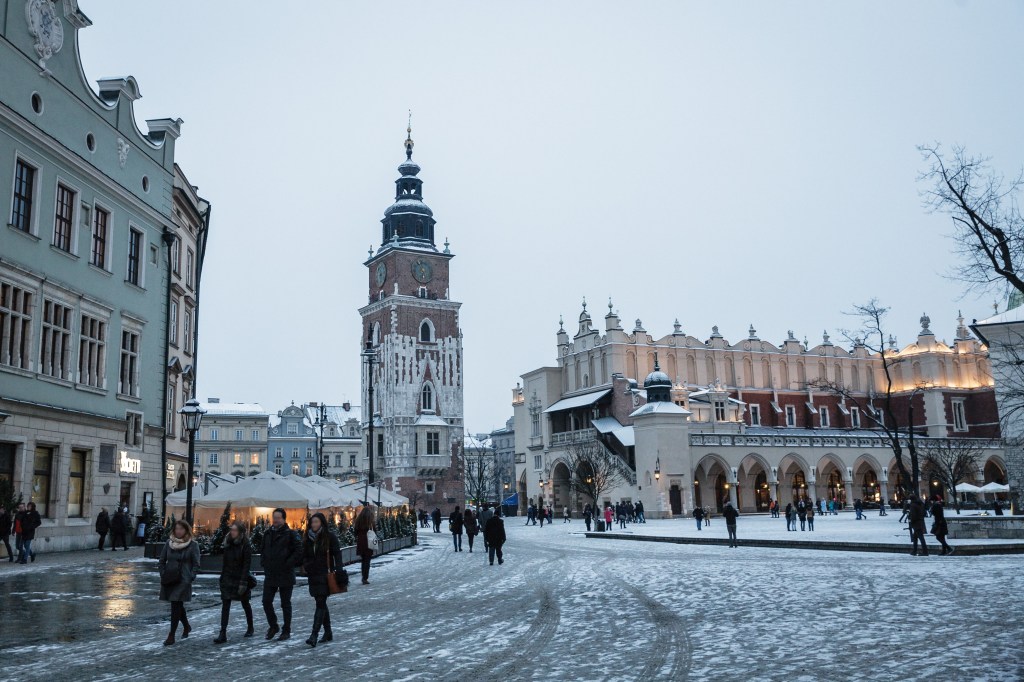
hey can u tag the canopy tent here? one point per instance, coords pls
(387, 498)
(176, 500)
(994, 488)
(251, 498)
(967, 488)
(324, 493)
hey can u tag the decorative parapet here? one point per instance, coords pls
(721, 440)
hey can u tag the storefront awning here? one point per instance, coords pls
(578, 401)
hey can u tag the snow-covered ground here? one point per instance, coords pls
(843, 527)
(563, 607)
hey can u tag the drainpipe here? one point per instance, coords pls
(168, 238)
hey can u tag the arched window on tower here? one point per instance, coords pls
(427, 398)
(426, 331)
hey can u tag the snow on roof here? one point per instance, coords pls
(335, 413)
(606, 424)
(578, 401)
(660, 407)
(477, 443)
(249, 409)
(430, 420)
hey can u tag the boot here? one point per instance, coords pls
(328, 635)
(286, 634)
(271, 631)
(170, 639)
(318, 621)
(186, 628)
(249, 631)
(222, 637)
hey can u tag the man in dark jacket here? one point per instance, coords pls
(102, 526)
(915, 516)
(435, 516)
(698, 514)
(29, 522)
(494, 535)
(118, 531)
(6, 521)
(730, 515)
(482, 518)
(282, 552)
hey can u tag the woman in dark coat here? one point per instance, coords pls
(235, 579)
(365, 522)
(179, 566)
(455, 526)
(321, 554)
(940, 529)
(471, 526)
(118, 531)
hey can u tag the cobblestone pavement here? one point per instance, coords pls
(563, 607)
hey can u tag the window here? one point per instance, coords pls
(42, 475)
(352, 461)
(176, 256)
(278, 454)
(76, 484)
(214, 434)
(170, 421)
(195, 459)
(189, 268)
(309, 453)
(293, 429)
(24, 191)
(238, 434)
(133, 429)
(188, 329)
(433, 443)
(338, 461)
(134, 274)
(823, 416)
(295, 469)
(309, 469)
(427, 398)
(959, 416)
(428, 487)
(100, 227)
(719, 410)
(255, 434)
(277, 468)
(238, 459)
(295, 453)
(426, 333)
(790, 416)
(755, 415)
(92, 352)
(55, 342)
(174, 324)
(128, 383)
(855, 417)
(64, 217)
(380, 445)
(15, 326)
(213, 458)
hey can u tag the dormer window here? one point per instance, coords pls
(427, 398)
(422, 293)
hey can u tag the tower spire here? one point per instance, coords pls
(408, 138)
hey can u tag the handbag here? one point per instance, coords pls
(372, 541)
(337, 580)
(171, 576)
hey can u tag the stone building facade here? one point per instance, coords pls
(232, 440)
(411, 328)
(87, 201)
(747, 421)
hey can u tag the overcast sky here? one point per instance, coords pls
(723, 163)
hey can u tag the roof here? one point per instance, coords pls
(477, 443)
(578, 401)
(430, 420)
(335, 413)
(660, 407)
(248, 409)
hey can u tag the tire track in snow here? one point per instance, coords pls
(671, 639)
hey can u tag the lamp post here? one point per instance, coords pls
(191, 418)
(370, 358)
(319, 423)
(657, 469)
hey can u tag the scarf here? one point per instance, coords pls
(312, 535)
(178, 545)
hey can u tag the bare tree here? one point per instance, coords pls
(593, 469)
(480, 470)
(952, 461)
(883, 417)
(987, 224)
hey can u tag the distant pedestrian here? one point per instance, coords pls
(906, 510)
(707, 516)
(19, 514)
(698, 514)
(179, 566)
(915, 516)
(470, 524)
(940, 529)
(821, 505)
(282, 553)
(608, 516)
(29, 522)
(483, 517)
(102, 526)
(542, 512)
(236, 581)
(790, 517)
(494, 534)
(6, 522)
(365, 524)
(731, 515)
(118, 531)
(810, 517)
(321, 554)
(565, 515)
(455, 528)
(621, 512)
(801, 513)
(435, 516)
(773, 509)
(881, 509)
(588, 516)
(531, 515)
(640, 518)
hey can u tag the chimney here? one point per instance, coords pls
(213, 401)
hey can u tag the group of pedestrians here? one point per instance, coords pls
(541, 513)
(23, 523)
(118, 527)
(802, 512)
(317, 553)
(489, 522)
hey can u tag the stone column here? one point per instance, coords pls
(885, 492)
(732, 496)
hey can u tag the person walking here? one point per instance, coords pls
(117, 531)
(102, 526)
(588, 517)
(640, 518)
(282, 552)
(19, 514)
(698, 514)
(730, 514)
(915, 516)
(530, 513)
(790, 516)
(494, 535)
(881, 508)
(455, 527)
(810, 517)
(470, 525)
(236, 581)
(858, 509)
(483, 517)
(622, 514)
(6, 521)
(365, 523)
(29, 522)
(565, 515)
(542, 512)
(707, 516)
(608, 516)
(906, 510)
(178, 566)
(435, 516)
(321, 554)
(940, 529)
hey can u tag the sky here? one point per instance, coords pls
(721, 163)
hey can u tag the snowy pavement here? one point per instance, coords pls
(563, 607)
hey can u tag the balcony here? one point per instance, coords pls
(567, 437)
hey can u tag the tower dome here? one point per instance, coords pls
(658, 385)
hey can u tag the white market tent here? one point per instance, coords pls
(994, 488)
(967, 488)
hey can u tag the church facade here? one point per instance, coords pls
(747, 421)
(412, 352)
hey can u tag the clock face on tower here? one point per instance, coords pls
(382, 274)
(422, 271)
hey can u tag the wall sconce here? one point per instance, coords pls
(657, 469)
(106, 488)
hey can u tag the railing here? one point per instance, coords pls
(590, 435)
(568, 437)
(921, 442)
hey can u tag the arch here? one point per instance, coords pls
(793, 473)
(867, 474)
(561, 490)
(766, 373)
(709, 366)
(830, 481)
(711, 474)
(180, 484)
(427, 397)
(752, 490)
(855, 378)
(427, 334)
(837, 373)
(730, 372)
(373, 334)
(691, 370)
(748, 373)
(801, 375)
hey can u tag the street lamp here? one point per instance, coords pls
(319, 423)
(370, 358)
(191, 418)
(657, 469)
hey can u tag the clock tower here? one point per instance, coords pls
(412, 326)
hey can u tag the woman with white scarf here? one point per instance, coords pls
(179, 566)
